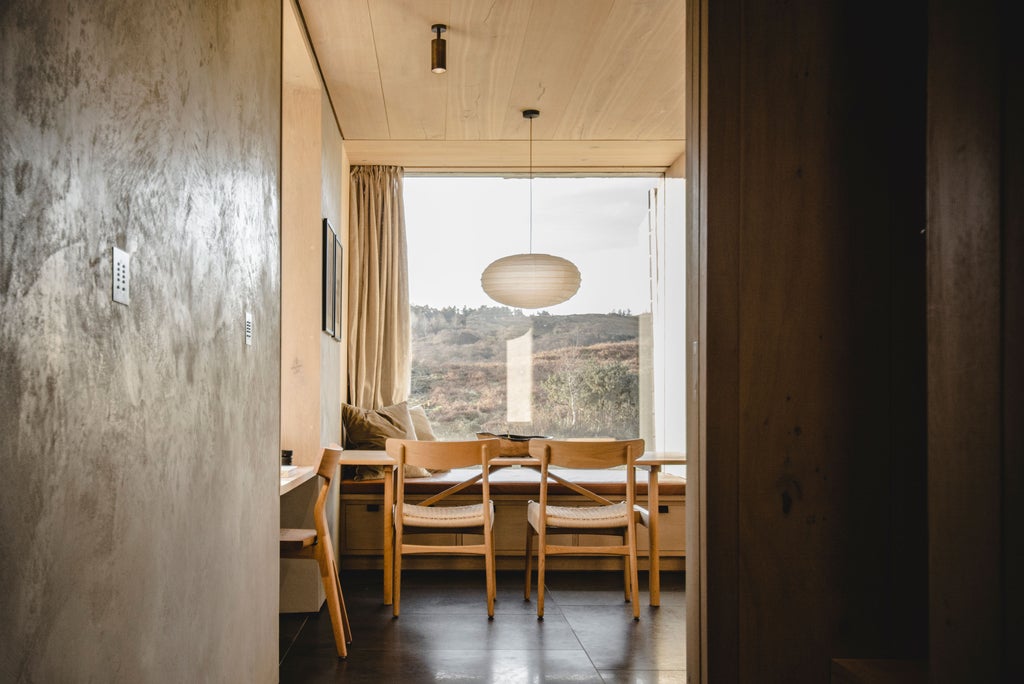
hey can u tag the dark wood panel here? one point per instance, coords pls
(964, 342)
(815, 336)
(1013, 340)
(720, 179)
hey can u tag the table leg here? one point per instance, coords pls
(655, 557)
(389, 535)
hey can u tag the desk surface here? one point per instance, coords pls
(381, 458)
(660, 458)
(295, 478)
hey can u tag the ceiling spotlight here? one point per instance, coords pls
(438, 61)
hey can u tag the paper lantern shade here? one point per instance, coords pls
(530, 281)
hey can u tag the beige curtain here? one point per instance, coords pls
(378, 289)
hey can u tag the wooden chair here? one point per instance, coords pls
(599, 516)
(425, 517)
(316, 544)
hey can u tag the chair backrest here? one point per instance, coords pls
(329, 462)
(328, 466)
(587, 455)
(440, 455)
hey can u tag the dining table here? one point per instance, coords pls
(651, 461)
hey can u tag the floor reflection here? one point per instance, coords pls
(587, 635)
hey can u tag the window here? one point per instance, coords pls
(585, 368)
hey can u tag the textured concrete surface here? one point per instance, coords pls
(138, 445)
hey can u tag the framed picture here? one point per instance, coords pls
(339, 275)
(330, 280)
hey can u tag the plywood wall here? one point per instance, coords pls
(314, 187)
(138, 444)
(302, 148)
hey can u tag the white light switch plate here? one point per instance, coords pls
(248, 328)
(121, 276)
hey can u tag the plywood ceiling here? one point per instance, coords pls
(607, 76)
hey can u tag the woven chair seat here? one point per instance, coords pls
(596, 517)
(445, 516)
(645, 516)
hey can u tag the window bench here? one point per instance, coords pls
(362, 518)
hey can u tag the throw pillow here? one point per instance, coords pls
(422, 424)
(371, 428)
(424, 431)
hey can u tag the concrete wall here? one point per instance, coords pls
(138, 445)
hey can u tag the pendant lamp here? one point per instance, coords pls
(531, 281)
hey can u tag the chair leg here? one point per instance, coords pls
(396, 589)
(529, 561)
(625, 571)
(332, 588)
(631, 561)
(328, 550)
(489, 569)
(344, 611)
(541, 543)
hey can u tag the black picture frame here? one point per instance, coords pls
(329, 280)
(339, 280)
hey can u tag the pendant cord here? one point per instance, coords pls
(531, 186)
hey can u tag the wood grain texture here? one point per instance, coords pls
(965, 496)
(483, 107)
(1013, 339)
(719, 176)
(301, 246)
(805, 437)
(694, 168)
(343, 34)
(514, 155)
(599, 70)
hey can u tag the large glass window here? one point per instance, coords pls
(585, 368)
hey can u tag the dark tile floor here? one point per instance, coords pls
(587, 635)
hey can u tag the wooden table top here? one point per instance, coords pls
(295, 478)
(381, 458)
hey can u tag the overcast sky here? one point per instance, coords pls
(457, 226)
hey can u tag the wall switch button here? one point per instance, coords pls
(248, 328)
(121, 276)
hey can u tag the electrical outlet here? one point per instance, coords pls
(248, 328)
(121, 275)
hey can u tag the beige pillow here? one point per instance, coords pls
(371, 428)
(422, 424)
(423, 430)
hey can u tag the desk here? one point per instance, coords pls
(300, 587)
(651, 460)
(300, 475)
(382, 460)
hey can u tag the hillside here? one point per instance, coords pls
(585, 371)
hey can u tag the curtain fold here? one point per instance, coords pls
(378, 289)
